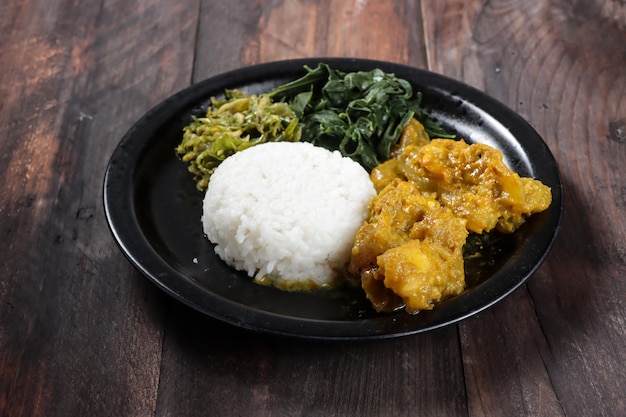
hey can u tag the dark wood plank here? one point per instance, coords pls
(212, 366)
(504, 351)
(559, 64)
(265, 31)
(80, 330)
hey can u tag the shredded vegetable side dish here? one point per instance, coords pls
(231, 125)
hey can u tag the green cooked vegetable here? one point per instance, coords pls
(364, 111)
(231, 125)
(362, 114)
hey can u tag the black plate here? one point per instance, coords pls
(154, 210)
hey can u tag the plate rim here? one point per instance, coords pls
(248, 317)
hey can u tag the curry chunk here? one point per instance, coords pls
(409, 252)
(431, 194)
(472, 180)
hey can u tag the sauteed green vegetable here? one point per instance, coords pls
(363, 111)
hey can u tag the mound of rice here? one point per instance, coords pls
(287, 213)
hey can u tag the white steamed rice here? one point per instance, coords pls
(287, 213)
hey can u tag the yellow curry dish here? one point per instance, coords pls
(431, 195)
(409, 252)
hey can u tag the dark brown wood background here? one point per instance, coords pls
(83, 334)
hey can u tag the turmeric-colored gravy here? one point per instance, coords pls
(431, 194)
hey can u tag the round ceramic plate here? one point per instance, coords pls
(154, 210)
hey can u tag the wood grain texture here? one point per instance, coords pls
(233, 372)
(560, 65)
(83, 334)
(269, 30)
(80, 333)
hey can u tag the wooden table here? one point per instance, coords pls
(82, 333)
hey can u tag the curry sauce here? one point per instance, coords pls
(431, 194)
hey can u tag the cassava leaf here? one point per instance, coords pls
(364, 112)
